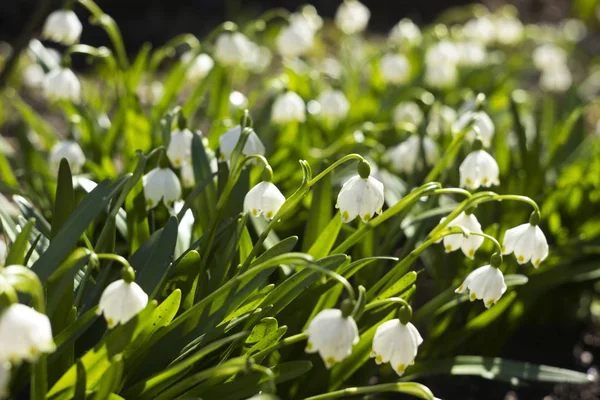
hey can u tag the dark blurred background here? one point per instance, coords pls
(156, 21)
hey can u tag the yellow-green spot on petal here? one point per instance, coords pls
(269, 214)
(177, 162)
(330, 361)
(490, 303)
(32, 351)
(255, 212)
(460, 288)
(521, 258)
(484, 180)
(379, 359)
(448, 247)
(366, 217)
(400, 368)
(537, 262)
(309, 346)
(471, 252)
(110, 322)
(150, 203)
(468, 181)
(345, 216)
(473, 296)
(503, 248)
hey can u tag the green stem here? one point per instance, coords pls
(490, 238)
(449, 154)
(391, 300)
(414, 389)
(267, 372)
(114, 257)
(464, 192)
(524, 199)
(282, 343)
(334, 166)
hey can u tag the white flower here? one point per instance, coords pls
(199, 66)
(483, 123)
(33, 76)
(479, 169)
(442, 52)
(548, 55)
(485, 283)
(288, 107)
(4, 379)
(180, 147)
(395, 68)
(24, 334)
(331, 67)
(360, 197)
(441, 76)
(263, 199)
(556, 79)
(481, 29)
(256, 58)
(295, 39)
(231, 48)
(528, 242)
(308, 15)
(406, 156)
(332, 336)
(407, 112)
(229, 140)
(334, 105)
(121, 301)
(49, 57)
(509, 30)
(406, 33)
(62, 84)
(471, 53)
(71, 152)
(237, 100)
(161, 184)
(468, 244)
(352, 17)
(62, 26)
(187, 175)
(441, 118)
(3, 252)
(150, 93)
(396, 343)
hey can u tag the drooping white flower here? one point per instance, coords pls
(441, 76)
(484, 124)
(263, 199)
(334, 105)
(71, 152)
(187, 175)
(161, 184)
(33, 76)
(256, 58)
(442, 52)
(331, 67)
(62, 26)
(360, 197)
(485, 283)
(548, 55)
(406, 156)
(237, 101)
(295, 39)
(332, 336)
(441, 118)
(396, 343)
(407, 112)
(25, 334)
(121, 301)
(481, 29)
(3, 252)
(231, 48)
(62, 84)
(103, 121)
(406, 34)
(352, 17)
(307, 15)
(50, 57)
(395, 68)
(180, 147)
(509, 30)
(199, 66)
(468, 244)
(556, 78)
(150, 93)
(4, 379)
(528, 242)
(471, 53)
(479, 169)
(288, 107)
(229, 140)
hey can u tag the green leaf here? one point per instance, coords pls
(17, 252)
(64, 201)
(138, 230)
(183, 277)
(285, 246)
(319, 216)
(29, 212)
(202, 172)
(399, 286)
(74, 331)
(496, 369)
(111, 379)
(324, 243)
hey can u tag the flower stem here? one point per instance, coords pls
(282, 343)
(490, 238)
(412, 388)
(334, 166)
(449, 154)
(114, 257)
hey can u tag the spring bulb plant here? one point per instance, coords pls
(275, 210)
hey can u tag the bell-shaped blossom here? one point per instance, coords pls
(296, 38)
(62, 84)
(352, 17)
(479, 169)
(62, 26)
(288, 107)
(442, 52)
(4, 379)
(485, 283)
(263, 199)
(441, 76)
(509, 30)
(395, 69)
(180, 147)
(33, 76)
(257, 58)
(237, 101)
(121, 301)
(406, 157)
(309, 16)
(360, 197)
(471, 53)
(331, 67)
(528, 242)
(334, 105)
(150, 93)
(229, 140)
(396, 343)
(556, 79)
(231, 48)
(481, 29)
(548, 56)
(161, 184)
(407, 112)
(50, 57)
(441, 118)
(406, 34)
(481, 121)
(199, 66)
(70, 151)
(468, 244)
(25, 334)
(331, 335)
